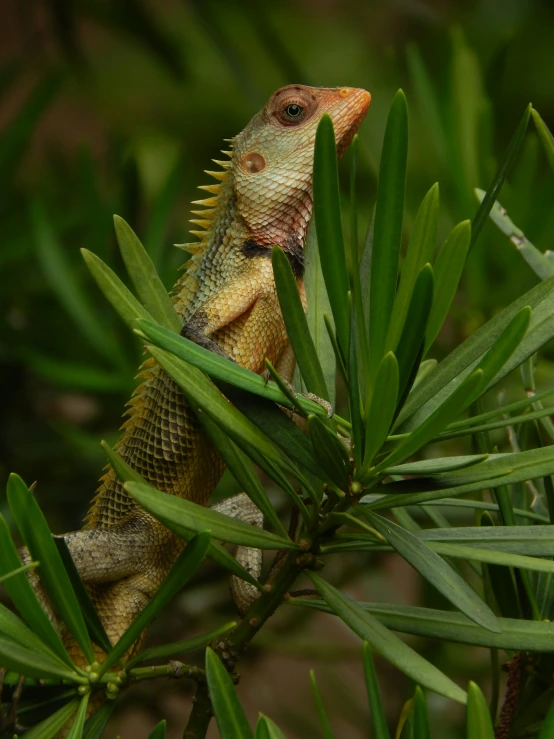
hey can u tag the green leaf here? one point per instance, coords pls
(433, 424)
(377, 711)
(330, 452)
(538, 262)
(180, 515)
(37, 537)
(318, 304)
(76, 730)
(25, 599)
(13, 628)
(547, 142)
(92, 619)
(19, 570)
(243, 471)
(547, 730)
(386, 643)
(328, 734)
(329, 226)
(76, 375)
(120, 297)
(438, 465)
(61, 276)
(216, 552)
(388, 229)
(435, 570)
(267, 729)
(220, 368)
(447, 269)
(430, 104)
(48, 729)
(419, 253)
(478, 717)
(381, 409)
(159, 731)
(420, 716)
(145, 278)
(180, 647)
(426, 396)
(410, 344)
(184, 568)
(31, 663)
(503, 171)
(229, 714)
(96, 723)
(516, 635)
(297, 325)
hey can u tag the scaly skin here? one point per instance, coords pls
(228, 303)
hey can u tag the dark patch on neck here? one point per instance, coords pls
(293, 250)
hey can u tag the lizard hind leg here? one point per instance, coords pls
(241, 507)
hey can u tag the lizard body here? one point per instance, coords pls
(227, 301)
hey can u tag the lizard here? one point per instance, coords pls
(227, 302)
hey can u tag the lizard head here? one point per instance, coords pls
(273, 158)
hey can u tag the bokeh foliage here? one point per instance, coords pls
(118, 107)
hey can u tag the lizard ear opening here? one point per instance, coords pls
(252, 162)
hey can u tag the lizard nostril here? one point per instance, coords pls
(344, 92)
(253, 162)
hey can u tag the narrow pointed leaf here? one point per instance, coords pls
(28, 662)
(447, 269)
(420, 718)
(413, 332)
(159, 731)
(229, 713)
(330, 452)
(327, 733)
(96, 723)
(180, 647)
(516, 635)
(48, 729)
(386, 643)
(20, 570)
(318, 305)
(297, 325)
(441, 417)
(24, 597)
(121, 298)
(15, 630)
(420, 252)
(329, 226)
(184, 568)
(435, 570)
(146, 280)
(423, 399)
(478, 717)
(377, 711)
(503, 171)
(546, 140)
(539, 262)
(180, 515)
(381, 409)
(243, 471)
(388, 229)
(37, 537)
(60, 274)
(220, 368)
(92, 619)
(267, 729)
(76, 730)
(547, 730)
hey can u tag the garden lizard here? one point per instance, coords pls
(227, 302)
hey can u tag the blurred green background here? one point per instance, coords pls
(116, 106)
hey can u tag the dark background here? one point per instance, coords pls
(117, 107)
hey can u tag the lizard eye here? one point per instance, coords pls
(293, 110)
